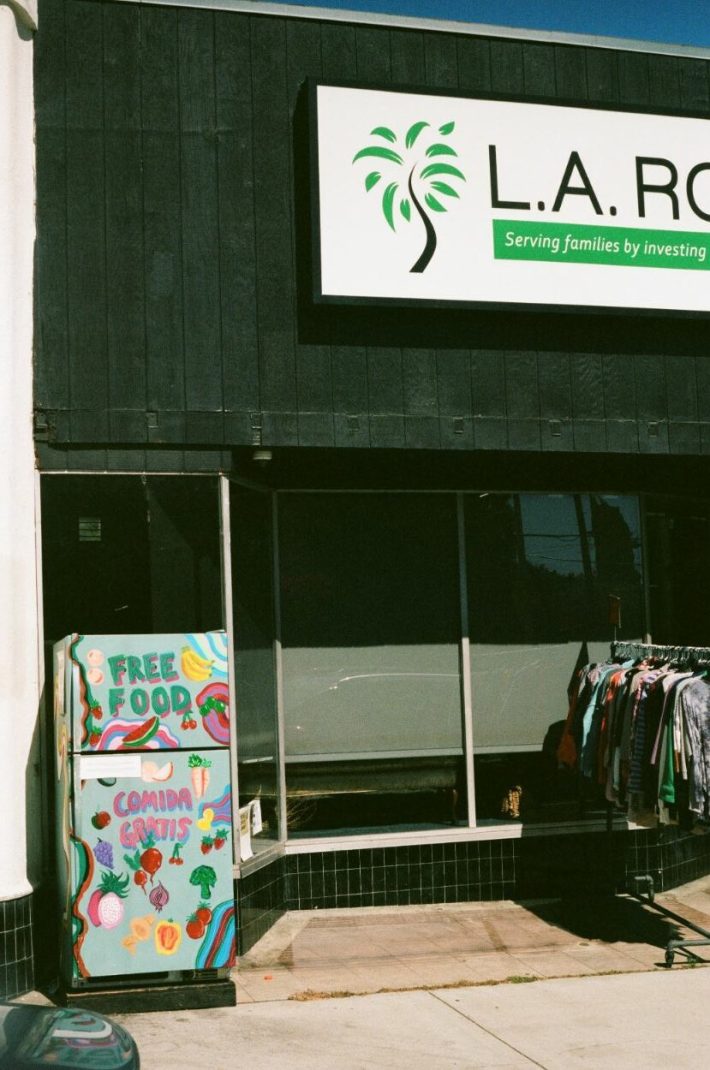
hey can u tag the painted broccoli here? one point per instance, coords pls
(206, 878)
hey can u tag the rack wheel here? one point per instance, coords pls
(670, 955)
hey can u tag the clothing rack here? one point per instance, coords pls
(692, 657)
(687, 656)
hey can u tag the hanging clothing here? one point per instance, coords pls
(694, 703)
(641, 730)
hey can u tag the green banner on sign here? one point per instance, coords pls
(515, 239)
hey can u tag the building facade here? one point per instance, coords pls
(416, 512)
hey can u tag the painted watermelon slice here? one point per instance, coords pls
(139, 736)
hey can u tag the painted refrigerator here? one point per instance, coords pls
(144, 805)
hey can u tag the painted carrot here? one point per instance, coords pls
(200, 768)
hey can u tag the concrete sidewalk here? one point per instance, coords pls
(551, 984)
(640, 1020)
(369, 950)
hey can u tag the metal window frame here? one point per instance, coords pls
(277, 848)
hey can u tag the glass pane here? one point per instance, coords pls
(678, 538)
(541, 568)
(130, 555)
(257, 725)
(185, 557)
(370, 627)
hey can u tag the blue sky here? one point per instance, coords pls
(681, 22)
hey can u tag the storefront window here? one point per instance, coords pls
(370, 632)
(541, 568)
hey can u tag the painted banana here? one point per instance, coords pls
(194, 666)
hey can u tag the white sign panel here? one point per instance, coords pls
(101, 766)
(452, 199)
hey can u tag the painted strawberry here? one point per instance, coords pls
(105, 907)
(220, 838)
(206, 845)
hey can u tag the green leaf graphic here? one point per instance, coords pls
(413, 133)
(441, 150)
(442, 187)
(431, 200)
(385, 132)
(397, 205)
(442, 169)
(377, 150)
(388, 202)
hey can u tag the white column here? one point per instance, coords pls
(19, 633)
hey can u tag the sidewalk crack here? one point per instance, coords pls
(490, 1032)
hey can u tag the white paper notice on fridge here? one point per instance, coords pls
(256, 822)
(245, 833)
(105, 766)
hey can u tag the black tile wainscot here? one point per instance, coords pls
(16, 973)
(399, 876)
(260, 898)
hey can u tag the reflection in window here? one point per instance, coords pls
(678, 537)
(541, 568)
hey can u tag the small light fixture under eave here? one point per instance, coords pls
(261, 456)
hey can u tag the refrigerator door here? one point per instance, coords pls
(149, 692)
(152, 887)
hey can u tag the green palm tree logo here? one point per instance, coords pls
(431, 174)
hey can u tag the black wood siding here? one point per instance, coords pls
(171, 186)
